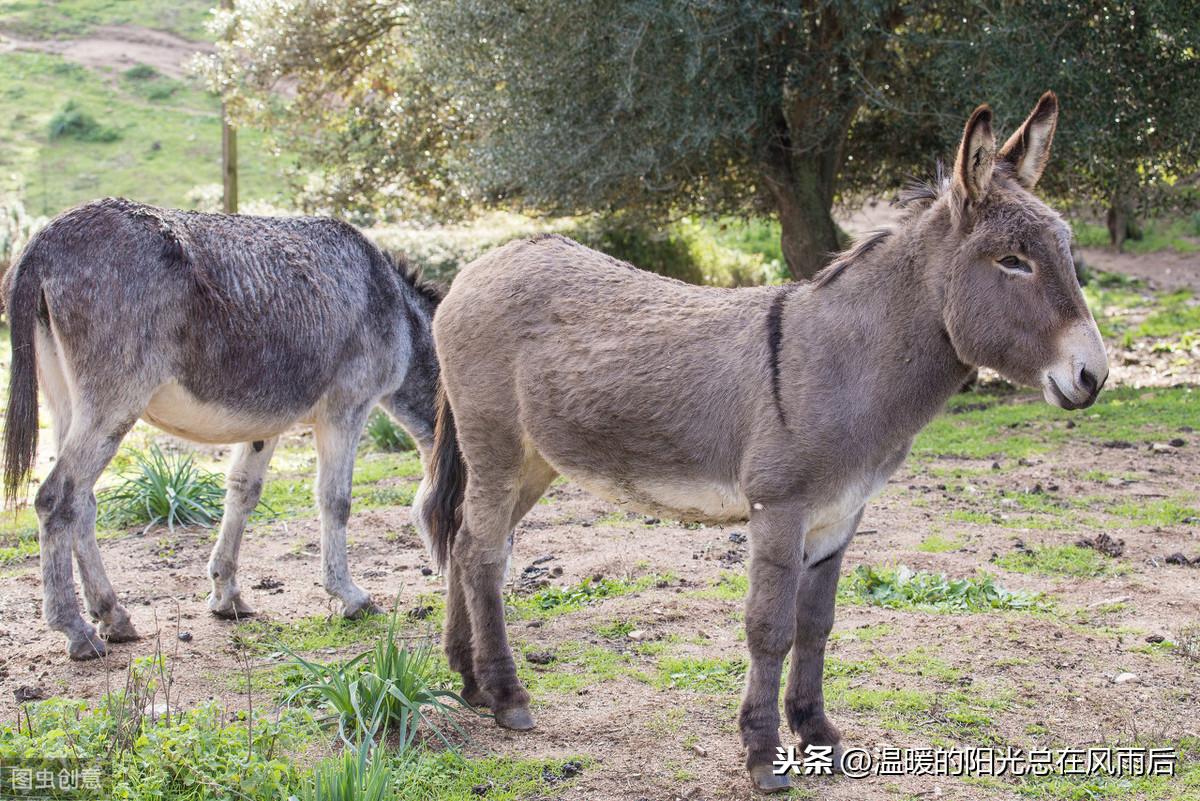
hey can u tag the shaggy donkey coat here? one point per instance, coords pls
(215, 328)
(789, 405)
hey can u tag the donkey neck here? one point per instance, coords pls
(873, 339)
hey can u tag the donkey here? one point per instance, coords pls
(788, 406)
(218, 329)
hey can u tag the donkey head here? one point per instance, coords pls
(1012, 301)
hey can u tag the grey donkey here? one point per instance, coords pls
(218, 329)
(788, 406)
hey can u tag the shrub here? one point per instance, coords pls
(163, 488)
(385, 435)
(390, 688)
(355, 775)
(72, 122)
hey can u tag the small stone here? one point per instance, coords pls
(1178, 442)
(1178, 558)
(699, 750)
(26, 693)
(533, 624)
(185, 636)
(995, 465)
(556, 571)
(1155, 639)
(1125, 678)
(1160, 447)
(1070, 424)
(637, 635)
(427, 571)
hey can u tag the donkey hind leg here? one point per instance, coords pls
(776, 561)
(495, 499)
(805, 700)
(457, 637)
(66, 511)
(243, 487)
(337, 441)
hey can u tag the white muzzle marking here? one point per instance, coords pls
(1075, 378)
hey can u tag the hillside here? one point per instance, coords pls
(96, 98)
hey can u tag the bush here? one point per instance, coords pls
(72, 122)
(163, 489)
(721, 254)
(385, 435)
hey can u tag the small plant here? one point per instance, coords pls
(389, 688)
(385, 435)
(163, 489)
(72, 122)
(356, 775)
(903, 588)
(141, 72)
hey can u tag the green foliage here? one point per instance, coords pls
(903, 588)
(195, 755)
(308, 634)
(351, 776)
(1060, 560)
(73, 18)
(387, 690)
(72, 122)
(163, 489)
(385, 435)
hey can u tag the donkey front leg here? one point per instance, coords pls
(805, 699)
(776, 559)
(337, 441)
(66, 511)
(243, 488)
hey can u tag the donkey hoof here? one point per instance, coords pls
(366, 608)
(516, 718)
(89, 646)
(120, 629)
(767, 780)
(835, 755)
(233, 608)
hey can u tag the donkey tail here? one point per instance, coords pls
(23, 289)
(441, 511)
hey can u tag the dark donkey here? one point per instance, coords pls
(789, 405)
(223, 329)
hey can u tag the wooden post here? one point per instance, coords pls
(229, 169)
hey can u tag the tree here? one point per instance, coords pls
(661, 107)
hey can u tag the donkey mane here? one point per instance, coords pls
(915, 197)
(414, 276)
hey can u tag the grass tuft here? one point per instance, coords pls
(163, 489)
(385, 435)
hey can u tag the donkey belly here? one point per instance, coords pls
(176, 411)
(699, 500)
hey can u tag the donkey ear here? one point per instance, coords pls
(976, 156)
(1028, 149)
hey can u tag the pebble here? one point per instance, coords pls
(1160, 447)
(1125, 678)
(637, 635)
(1154, 639)
(185, 636)
(699, 750)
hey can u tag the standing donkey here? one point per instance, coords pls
(216, 328)
(789, 406)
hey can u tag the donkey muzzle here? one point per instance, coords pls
(1076, 377)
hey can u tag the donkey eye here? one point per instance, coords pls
(1015, 265)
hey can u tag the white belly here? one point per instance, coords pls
(176, 411)
(701, 501)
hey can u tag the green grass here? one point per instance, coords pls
(707, 675)
(167, 136)
(903, 588)
(384, 435)
(936, 543)
(983, 425)
(1183, 786)
(161, 488)
(380, 480)
(1176, 313)
(447, 777)
(1179, 234)
(553, 601)
(71, 18)
(1061, 560)
(309, 634)
(729, 587)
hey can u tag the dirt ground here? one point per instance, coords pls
(118, 47)
(643, 687)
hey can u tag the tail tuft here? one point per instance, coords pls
(22, 296)
(442, 511)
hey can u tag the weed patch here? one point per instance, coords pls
(1060, 560)
(903, 588)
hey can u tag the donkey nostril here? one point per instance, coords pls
(1088, 381)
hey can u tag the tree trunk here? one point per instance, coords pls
(809, 236)
(1120, 219)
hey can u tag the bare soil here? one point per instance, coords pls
(118, 47)
(1053, 674)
